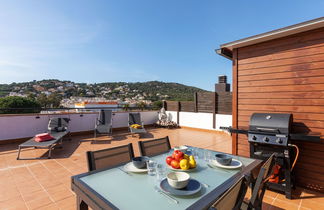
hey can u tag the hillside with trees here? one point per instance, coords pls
(49, 90)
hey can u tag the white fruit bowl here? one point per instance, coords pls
(178, 180)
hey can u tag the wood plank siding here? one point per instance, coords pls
(205, 102)
(284, 75)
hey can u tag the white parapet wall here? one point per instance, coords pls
(24, 126)
(201, 120)
(224, 120)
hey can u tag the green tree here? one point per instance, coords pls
(157, 104)
(54, 100)
(126, 107)
(31, 96)
(42, 100)
(141, 105)
(17, 104)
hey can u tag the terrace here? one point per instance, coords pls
(46, 183)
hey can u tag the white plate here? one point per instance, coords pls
(181, 148)
(234, 164)
(129, 167)
(189, 170)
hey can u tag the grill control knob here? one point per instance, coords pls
(266, 139)
(254, 138)
(279, 141)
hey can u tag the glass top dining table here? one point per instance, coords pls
(113, 188)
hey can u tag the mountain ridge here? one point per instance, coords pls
(150, 90)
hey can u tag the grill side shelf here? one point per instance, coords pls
(233, 130)
(311, 137)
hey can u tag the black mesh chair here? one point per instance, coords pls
(103, 124)
(233, 197)
(260, 185)
(154, 147)
(111, 157)
(135, 118)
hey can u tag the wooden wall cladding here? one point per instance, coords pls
(286, 75)
(187, 106)
(224, 103)
(172, 105)
(208, 102)
(205, 102)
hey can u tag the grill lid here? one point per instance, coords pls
(271, 123)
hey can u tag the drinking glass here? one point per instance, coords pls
(207, 156)
(195, 152)
(160, 172)
(200, 154)
(151, 168)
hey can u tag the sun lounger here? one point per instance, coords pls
(57, 127)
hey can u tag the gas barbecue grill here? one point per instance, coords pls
(270, 133)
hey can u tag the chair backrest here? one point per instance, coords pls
(134, 118)
(260, 183)
(58, 124)
(233, 197)
(105, 116)
(110, 157)
(154, 147)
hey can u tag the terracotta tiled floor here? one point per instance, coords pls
(45, 184)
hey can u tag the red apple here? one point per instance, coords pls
(168, 160)
(174, 153)
(175, 164)
(179, 155)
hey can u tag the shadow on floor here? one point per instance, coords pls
(146, 135)
(63, 151)
(270, 207)
(100, 140)
(9, 148)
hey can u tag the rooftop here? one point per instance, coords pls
(46, 184)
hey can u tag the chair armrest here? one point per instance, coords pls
(96, 122)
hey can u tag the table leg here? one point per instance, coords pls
(81, 205)
(18, 153)
(50, 152)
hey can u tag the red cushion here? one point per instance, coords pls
(43, 137)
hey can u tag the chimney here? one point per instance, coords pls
(222, 85)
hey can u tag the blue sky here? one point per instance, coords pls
(133, 40)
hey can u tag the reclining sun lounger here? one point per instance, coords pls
(57, 128)
(104, 123)
(135, 118)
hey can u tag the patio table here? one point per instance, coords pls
(114, 189)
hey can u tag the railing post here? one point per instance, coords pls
(178, 112)
(165, 105)
(196, 102)
(214, 109)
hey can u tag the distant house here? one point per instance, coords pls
(96, 104)
(17, 94)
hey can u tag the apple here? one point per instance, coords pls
(179, 155)
(174, 153)
(175, 164)
(168, 160)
